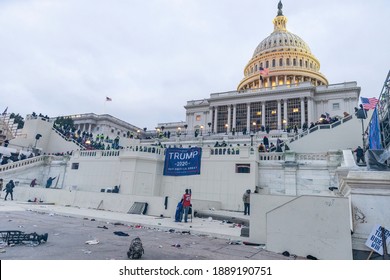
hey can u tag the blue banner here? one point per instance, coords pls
(374, 136)
(182, 161)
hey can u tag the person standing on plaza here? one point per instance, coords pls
(186, 203)
(9, 188)
(246, 198)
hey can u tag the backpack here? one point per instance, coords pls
(136, 249)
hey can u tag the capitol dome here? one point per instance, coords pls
(282, 58)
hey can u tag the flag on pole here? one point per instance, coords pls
(5, 111)
(264, 71)
(108, 98)
(369, 103)
(374, 136)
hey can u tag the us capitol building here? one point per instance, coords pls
(282, 86)
(309, 198)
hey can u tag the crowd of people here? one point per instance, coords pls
(87, 139)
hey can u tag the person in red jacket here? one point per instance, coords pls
(186, 203)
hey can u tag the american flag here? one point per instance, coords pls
(369, 103)
(264, 72)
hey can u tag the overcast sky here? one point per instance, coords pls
(61, 57)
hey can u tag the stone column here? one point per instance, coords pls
(210, 116)
(309, 110)
(248, 117)
(229, 123)
(302, 111)
(279, 115)
(285, 112)
(216, 119)
(234, 116)
(263, 113)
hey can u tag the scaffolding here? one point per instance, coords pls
(383, 109)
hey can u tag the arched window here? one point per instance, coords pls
(300, 62)
(255, 67)
(306, 64)
(281, 62)
(294, 62)
(267, 64)
(273, 63)
(288, 62)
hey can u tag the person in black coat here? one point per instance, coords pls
(9, 188)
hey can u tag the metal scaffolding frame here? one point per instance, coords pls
(383, 109)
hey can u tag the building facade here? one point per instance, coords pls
(282, 87)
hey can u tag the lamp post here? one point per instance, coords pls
(201, 130)
(178, 131)
(284, 124)
(252, 134)
(361, 114)
(227, 127)
(254, 127)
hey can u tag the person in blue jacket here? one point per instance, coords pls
(179, 211)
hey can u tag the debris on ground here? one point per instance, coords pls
(92, 242)
(17, 237)
(121, 233)
(136, 249)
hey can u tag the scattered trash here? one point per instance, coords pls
(16, 237)
(160, 246)
(172, 230)
(121, 233)
(234, 242)
(310, 257)
(56, 234)
(138, 226)
(136, 249)
(186, 232)
(210, 219)
(93, 220)
(176, 245)
(92, 242)
(103, 227)
(86, 251)
(118, 224)
(286, 254)
(51, 214)
(2, 251)
(252, 244)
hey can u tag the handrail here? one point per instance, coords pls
(67, 139)
(21, 163)
(320, 127)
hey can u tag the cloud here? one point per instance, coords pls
(151, 57)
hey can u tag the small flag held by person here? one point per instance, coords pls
(263, 72)
(108, 98)
(369, 103)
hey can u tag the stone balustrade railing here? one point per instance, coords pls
(22, 163)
